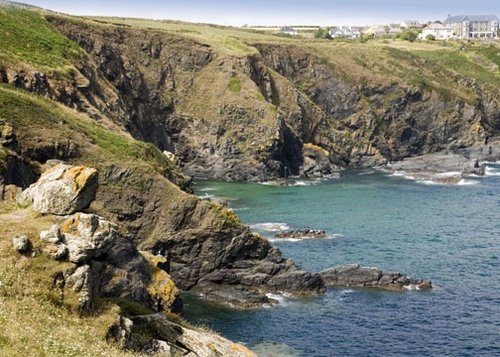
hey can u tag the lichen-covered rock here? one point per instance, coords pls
(62, 190)
(184, 341)
(22, 244)
(87, 236)
(161, 288)
(359, 276)
(51, 235)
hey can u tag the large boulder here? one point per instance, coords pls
(87, 236)
(358, 276)
(62, 190)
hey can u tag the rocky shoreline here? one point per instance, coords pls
(447, 167)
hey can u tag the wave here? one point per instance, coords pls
(206, 196)
(491, 171)
(329, 236)
(449, 174)
(208, 189)
(464, 182)
(364, 173)
(281, 298)
(270, 227)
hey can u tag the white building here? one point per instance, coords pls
(439, 31)
(344, 32)
(474, 26)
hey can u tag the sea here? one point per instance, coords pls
(449, 234)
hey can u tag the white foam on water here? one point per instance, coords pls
(449, 174)
(464, 182)
(411, 287)
(399, 173)
(280, 298)
(286, 239)
(491, 171)
(364, 173)
(428, 182)
(206, 196)
(347, 291)
(270, 226)
(208, 189)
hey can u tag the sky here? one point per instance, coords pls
(277, 12)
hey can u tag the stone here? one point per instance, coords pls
(9, 193)
(184, 341)
(87, 236)
(161, 287)
(358, 276)
(61, 253)
(22, 244)
(62, 190)
(51, 235)
(80, 281)
(302, 234)
(155, 347)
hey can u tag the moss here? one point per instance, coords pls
(234, 84)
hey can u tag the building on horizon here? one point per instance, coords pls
(289, 30)
(474, 26)
(344, 32)
(437, 30)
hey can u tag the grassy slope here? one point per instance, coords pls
(33, 322)
(425, 57)
(25, 36)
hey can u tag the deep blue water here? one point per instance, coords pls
(449, 234)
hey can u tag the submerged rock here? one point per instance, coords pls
(62, 190)
(359, 276)
(302, 234)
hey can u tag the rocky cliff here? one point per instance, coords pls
(246, 117)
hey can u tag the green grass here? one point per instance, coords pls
(41, 119)
(35, 320)
(25, 36)
(234, 84)
(459, 62)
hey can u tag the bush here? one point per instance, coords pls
(408, 35)
(430, 37)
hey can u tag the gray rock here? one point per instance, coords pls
(302, 234)
(51, 235)
(87, 236)
(81, 282)
(155, 347)
(22, 244)
(358, 276)
(61, 252)
(62, 190)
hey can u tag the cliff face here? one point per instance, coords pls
(237, 117)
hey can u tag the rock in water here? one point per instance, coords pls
(302, 234)
(87, 236)
(358, 276)
(62, 190)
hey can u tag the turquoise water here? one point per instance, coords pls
(449, 234)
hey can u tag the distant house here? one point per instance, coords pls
(344, 32)
(438, 31)
(474, 26)
(381, 30)
(288, 30)
(411, 24)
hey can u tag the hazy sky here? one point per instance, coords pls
(277, 12)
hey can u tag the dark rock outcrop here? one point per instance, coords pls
(302, 234)
(357, 276)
